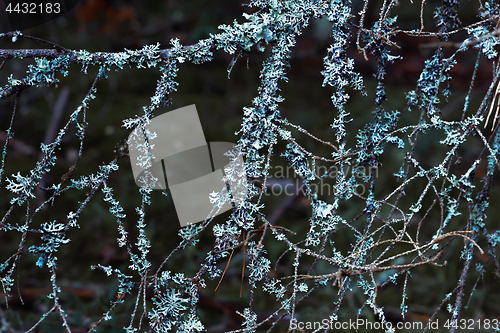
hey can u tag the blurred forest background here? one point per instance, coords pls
(112, 25)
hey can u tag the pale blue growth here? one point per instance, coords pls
(273, 28)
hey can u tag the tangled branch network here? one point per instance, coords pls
(390, 237)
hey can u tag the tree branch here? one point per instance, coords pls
(97, 57)
(69, 57)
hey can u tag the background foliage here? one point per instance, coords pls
(407, 88)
